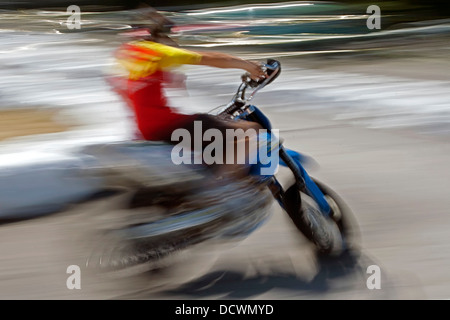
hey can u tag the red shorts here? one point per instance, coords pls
(154, 118)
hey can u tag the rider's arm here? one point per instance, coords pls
(223, 60)
(149, 56)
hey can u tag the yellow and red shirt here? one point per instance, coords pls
(142, 59)
(145, 63)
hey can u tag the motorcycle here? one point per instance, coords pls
(167, 210)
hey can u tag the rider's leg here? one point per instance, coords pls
(232, 165)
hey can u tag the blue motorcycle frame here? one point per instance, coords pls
(288, 158)
(239, 108)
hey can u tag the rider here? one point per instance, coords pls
(147, 61)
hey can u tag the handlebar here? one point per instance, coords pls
(272, 68)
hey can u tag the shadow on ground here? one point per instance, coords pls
(331, 275)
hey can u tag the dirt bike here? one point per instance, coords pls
(167, 210)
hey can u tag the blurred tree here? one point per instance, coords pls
(429, 8)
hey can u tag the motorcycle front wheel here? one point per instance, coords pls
(333, 235)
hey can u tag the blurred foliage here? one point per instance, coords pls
(426, 8)
(415, 9)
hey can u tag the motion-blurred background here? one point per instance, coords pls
(370, 105)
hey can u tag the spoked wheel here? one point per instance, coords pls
(343, 216)
(332, 235)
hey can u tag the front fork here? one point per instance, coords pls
(290, 159)
(290, 163)
(303, 181)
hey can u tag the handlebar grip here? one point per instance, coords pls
(271, 67)
(252, 83)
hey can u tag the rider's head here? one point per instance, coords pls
(158, 26)
(161, 29)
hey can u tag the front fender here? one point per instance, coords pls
(303, 159)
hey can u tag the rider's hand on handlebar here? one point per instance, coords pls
(256, 70)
